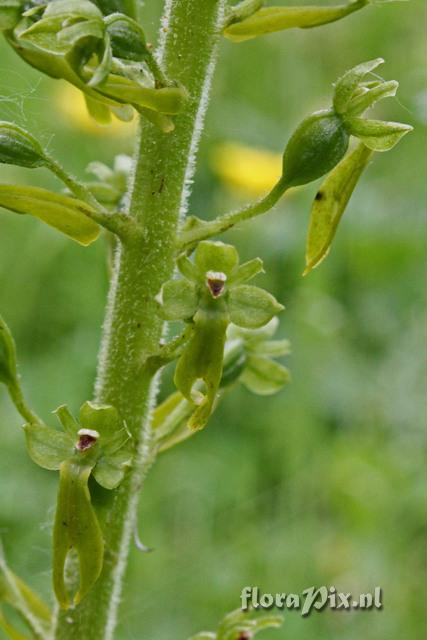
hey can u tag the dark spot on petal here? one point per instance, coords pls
(319, 195)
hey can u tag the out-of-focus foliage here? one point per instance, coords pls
(324, 483)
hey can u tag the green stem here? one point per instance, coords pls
(204, 230)
(133, 329)
(21, 406)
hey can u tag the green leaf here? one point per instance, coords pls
(10, 13)
(10, 631)
(66, 214)
(48, 447)
(215, 256)
(178, 300)
(251, 307)
(8, 373)
(316, 147)
(271, 19)
(376, 134)
(349, 82)
(18, 147)
(264, 376)
(76, 528)
(330, 203)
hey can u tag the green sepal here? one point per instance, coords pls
(263, 376)
(127, 38)
(76, 528)
(178, 300)
(377, 135)
(330, 203)
(101, 72)
(48, 447)
(251, 307)
(17, 594)
(66, 214)
(10, 13)
(272, 19)
(8, 372)
(20, 148)
(349, 82)
(316, 147)
(202, 359)
(215, 256)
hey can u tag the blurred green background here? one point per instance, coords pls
(323, 484)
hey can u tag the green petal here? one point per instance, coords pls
(216, 256)
(76, 527)
(366, 100)
(166, 100)
(376, 134)
(330, 203)
(264, 376)
(10, 13)
(68, 215)
(47, 447)
(251, 307)
(178, 300)
(247, 271)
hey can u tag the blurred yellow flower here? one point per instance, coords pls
(246, 169)
(72, 106)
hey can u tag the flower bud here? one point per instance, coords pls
(18, 147)
(317, 145)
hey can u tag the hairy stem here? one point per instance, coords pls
(164, 168)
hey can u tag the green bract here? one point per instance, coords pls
(330, 203)
(99, 445)
(68, 215)
(210, 297)
(244, 25)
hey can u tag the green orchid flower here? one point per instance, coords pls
(212, 294)
(100, 445)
